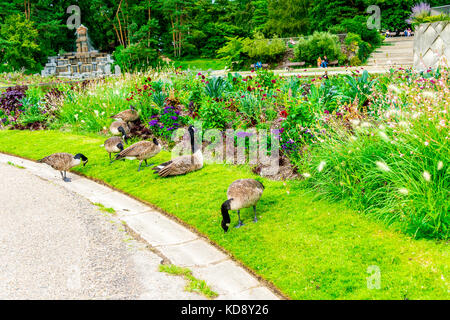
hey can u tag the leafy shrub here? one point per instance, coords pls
(216, 87)
(310, 48)
(11, 103)
(262, 49)
(214, 115)
(358, 25)
(232, 53)
(18, 45)
(136, 57)
(355, 61)
(165, 123)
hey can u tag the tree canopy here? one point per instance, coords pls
(180, 28)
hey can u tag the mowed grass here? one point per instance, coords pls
(309, 249)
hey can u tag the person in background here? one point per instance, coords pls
(258, 65)
(325, 62)
(319, 62)
(406, 33)
(387, 33)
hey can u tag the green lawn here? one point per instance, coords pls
(201, 64)
(309, 249)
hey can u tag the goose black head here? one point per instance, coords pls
(82, 157)
(120, 146)
(155, 141)
(225, 216)
(124, 134)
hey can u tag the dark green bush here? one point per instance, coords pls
(317, 45)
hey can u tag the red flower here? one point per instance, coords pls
(284, 114)
(274, 81)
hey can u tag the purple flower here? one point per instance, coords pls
(153, 123)
(243, 134)
(174, 117)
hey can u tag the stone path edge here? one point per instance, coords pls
(136, 234)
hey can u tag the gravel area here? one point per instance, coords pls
(55, 244)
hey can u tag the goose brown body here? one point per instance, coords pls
(141, 150)
(180, 165)
(114, 145)
(183, 164)
(61, 161)
(244, 193)
(127, 115)
(114, 128)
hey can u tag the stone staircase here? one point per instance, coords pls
(397, 51)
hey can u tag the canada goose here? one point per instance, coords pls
(119, 128)
(64, 162)
(114, 145)
(141, 150)
(127, 115)
(243, 193)
(183, 164)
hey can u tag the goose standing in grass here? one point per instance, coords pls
(243, 193)
(119, 128)
(115, 145)
(142, 150)
(183, 164)
(129, 115)
(64, 162)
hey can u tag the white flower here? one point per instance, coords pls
(321, 166)
(403, 191)
(96, 112)
(354, 122)
(382, 166)
(306, 175)
(75, 116)
(440, 165)
(427, 176)
(384, 136)
(426, 143)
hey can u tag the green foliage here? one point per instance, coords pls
(232, 53)
(310, 48)
(137, 57)
(216, 87)
(263, 49)
(18, 43)
(214, 115)
(288, 17)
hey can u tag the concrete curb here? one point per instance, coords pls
(174, 242)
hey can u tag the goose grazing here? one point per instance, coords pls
(119, 128)
(129, 115)
(243, 193)
(64, 162)
(142, 150)
(114, 145)
(183, 164)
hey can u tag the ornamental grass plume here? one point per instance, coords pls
(418, 12)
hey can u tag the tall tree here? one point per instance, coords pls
(288, 17)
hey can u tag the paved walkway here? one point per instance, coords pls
(55, 244)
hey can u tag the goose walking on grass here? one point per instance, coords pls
(119, 128)
(129, 115)
(142, 150)
(115, 145)
(183, 164)
(63, 162)
(243, 193)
